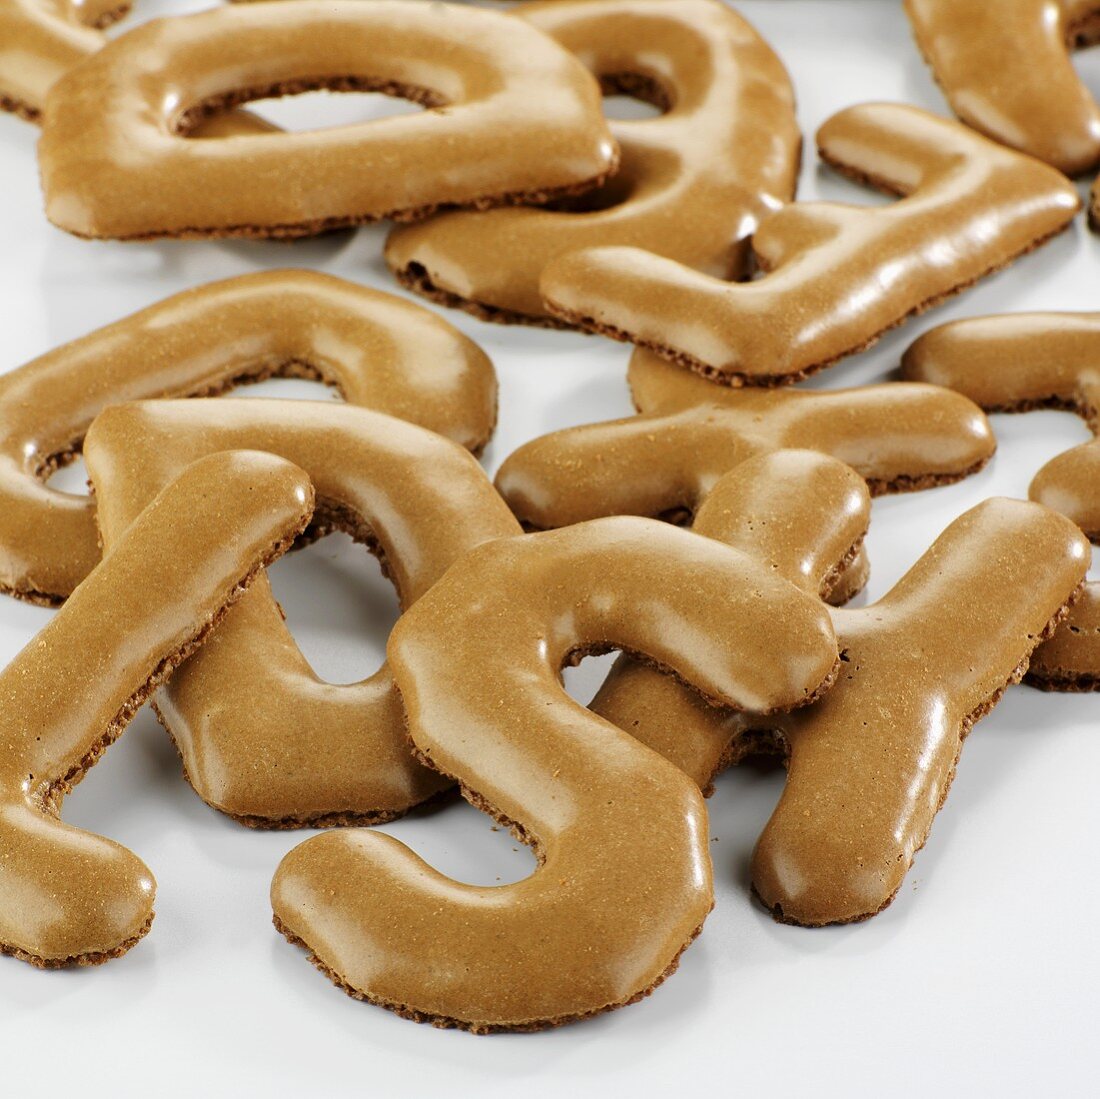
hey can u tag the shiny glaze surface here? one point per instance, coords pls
(510, 115)
(1015, 363)
(799, 513)
(837, 276)
(625, 877)
(692, 185)
(262, 737)
(691, 432)
(871, 762)
(67, 895)
(1006, 71)
(376, 349)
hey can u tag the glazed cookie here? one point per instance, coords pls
(510, 117)
(1016, 363)
(870, 763)
(263, 739)
(1006, 71)
(624, 881)
(836, 276)
(40, 40)
(69, 897)
(693, 185)
(664, 462)
(375, 349)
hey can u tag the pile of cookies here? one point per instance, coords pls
(711, 538)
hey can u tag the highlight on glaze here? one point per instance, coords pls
(835, 276)
(693, 184)
(624, 881)
(1005, 69)
(898, 437)
(870, 763)
(67, 896)
(262, 737)
(374, 348)
(1016, 363)
(510, 117)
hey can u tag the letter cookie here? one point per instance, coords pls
(663, 462)
(870, 763)
(1016, 363)
(625, 881)
(836, 276)
(512, 117)
(1005, 70)
(693, 184)
(375, 349)
(263, 739)
(68, 896)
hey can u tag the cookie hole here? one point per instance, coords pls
(339, 607)
(69, 475)
(583, 680)
(311, 104)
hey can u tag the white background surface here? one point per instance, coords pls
(982, 977)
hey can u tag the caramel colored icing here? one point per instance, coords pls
(376, 349)
(262, 737)
(1015, 363)
(40, 40)
(68, 896)
(836, 276)
(625, 878)
(511, 117)
(693, 184)
(1005, 70)
(870, 763)
(897, 436)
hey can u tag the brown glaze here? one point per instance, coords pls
(1005, 70)
(898, 437)
(836, 276)
(625, 881)
(693, 184)
(375, 349)
(262, 737)
(511, 117)
(68, 896)
(40, 40)
(1019, 362)
(870, 763)
(804, 516)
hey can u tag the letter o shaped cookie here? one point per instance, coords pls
(376, 349)
(624, 882)
(693, 184)
(512, 117)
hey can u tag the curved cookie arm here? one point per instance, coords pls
(68, 896)
(1019, 362)
(624, 882)
(836, 276)
(1005, 70)
(262, 737)
(376, 349)
(898, 437)
(693, 184)
(801, 514)
(511, 117)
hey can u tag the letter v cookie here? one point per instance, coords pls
(624, 881)
(68, 896)
(373, 348)
(1019, 362)
(870, 763)
(262, 737)
(665, 461)
(835, 277)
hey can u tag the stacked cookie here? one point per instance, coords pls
(711, 538)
